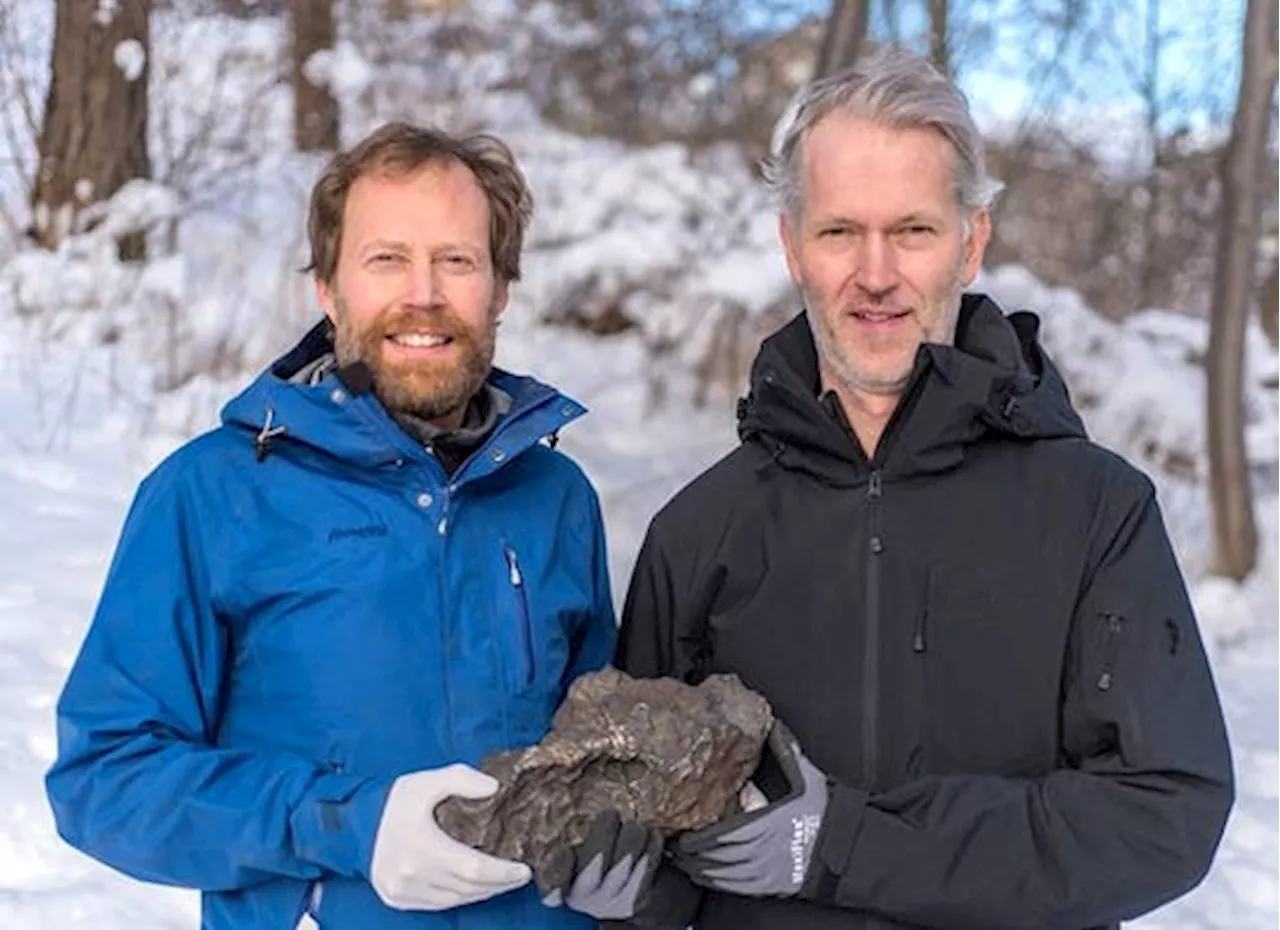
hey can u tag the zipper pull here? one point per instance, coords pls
(513, 566)
(917, 641)
(1115, 626)
(873, 485)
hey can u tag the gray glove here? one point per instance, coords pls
(764, 852)
(609, 875)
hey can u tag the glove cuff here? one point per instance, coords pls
(831, 853)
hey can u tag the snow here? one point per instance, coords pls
(130, 57)
(105, 367)
(105, 13)
(342, 69)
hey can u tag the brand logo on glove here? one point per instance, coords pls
(804, 831)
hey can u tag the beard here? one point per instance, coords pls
(430, 389)
(844, 364)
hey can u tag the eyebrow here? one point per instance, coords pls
(387, 244)
(397, 246)
(918, 218)
(905, 220)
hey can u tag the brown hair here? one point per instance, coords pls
(399, 148)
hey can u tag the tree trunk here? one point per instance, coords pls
(94, 135)
(315, 111)
(1269, 306)
(1235, 537)
(396, 11)
(842, 41)
(938, 51)
(1148, 274)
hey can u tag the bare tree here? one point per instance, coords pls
(1269, 306)
(845, 35)
(1235, 536)
(1150, 86)
(94, 135)
(939, 51)
(19, 120)
(315, 111)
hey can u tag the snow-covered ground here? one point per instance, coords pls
(90, 353)
(70, 454)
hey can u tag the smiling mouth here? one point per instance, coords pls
(419, 340)
(879, 316)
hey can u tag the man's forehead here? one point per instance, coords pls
(444, 175)
(851, 162)
(389, 204)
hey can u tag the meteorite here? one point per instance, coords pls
(669, 755)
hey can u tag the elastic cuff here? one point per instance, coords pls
(336, 825)
(831, 853)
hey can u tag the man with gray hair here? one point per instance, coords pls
(995, 708)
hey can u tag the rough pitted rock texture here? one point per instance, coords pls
(670, 755)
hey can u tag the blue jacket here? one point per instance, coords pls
(281, 635)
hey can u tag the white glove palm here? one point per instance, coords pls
(416, 865)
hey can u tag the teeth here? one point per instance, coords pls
(419, 340)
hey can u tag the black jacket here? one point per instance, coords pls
(981, 636)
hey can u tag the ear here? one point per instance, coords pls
(327, 298)
(976, 245)
(501, 294)
(790, 245)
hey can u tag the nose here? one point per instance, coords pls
(421, 288)
(877, 266)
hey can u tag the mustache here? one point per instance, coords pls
(442, 322)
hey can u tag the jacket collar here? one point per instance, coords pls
(996, 380)
(339, 416)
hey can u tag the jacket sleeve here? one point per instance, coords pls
(1131, 819)
(139, 782)
(598, 635)
(646, 649)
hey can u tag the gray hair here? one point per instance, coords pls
(890, 87)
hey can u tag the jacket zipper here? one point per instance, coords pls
(871, 663)
(523, 630)
(1115, 628)
(444, 606)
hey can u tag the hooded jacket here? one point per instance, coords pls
(303, 607)
(980, 635)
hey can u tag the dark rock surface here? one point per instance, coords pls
(658, 751)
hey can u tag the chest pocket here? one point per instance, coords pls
(534, 616)
(990, 662)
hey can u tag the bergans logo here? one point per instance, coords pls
(357, 532)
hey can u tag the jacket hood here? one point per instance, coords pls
(996, 380)
(339, 415)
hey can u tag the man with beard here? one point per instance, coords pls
(376, 573)
(995, 706)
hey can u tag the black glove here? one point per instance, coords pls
(618, 873)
